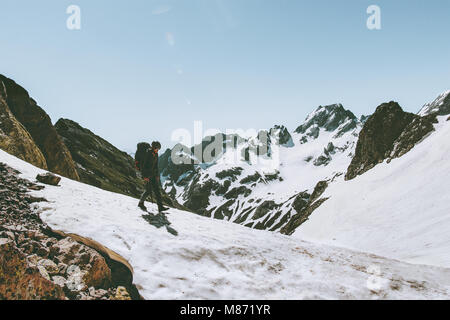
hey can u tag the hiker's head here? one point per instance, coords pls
(156, 146)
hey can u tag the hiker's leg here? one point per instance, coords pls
(157, 193)
(146, 193)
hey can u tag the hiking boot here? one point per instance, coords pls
(142, 206)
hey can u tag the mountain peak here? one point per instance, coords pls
(441, 105)
(329, 118)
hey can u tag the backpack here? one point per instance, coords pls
(142, 148)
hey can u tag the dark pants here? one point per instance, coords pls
(150, 186)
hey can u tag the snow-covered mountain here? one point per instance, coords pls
(212, 259)
(262, 181)
(399, 208)
(441, 105)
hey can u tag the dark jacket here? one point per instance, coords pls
(150, 165)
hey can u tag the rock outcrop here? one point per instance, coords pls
(388, 133)
(304, 205)
(441, 105)
(39, 263)
(98, 162)
(37, 122)
(15, 139)
(328, 118)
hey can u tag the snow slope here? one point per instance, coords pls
(212, 259)
(399, 210)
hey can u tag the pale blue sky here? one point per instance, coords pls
(139, 69)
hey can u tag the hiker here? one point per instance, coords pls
(147, 162)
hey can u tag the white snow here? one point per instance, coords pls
(399, 210)
(212, 259)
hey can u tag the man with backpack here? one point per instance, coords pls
(146, 160)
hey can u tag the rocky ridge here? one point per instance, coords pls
(387, 134)
(39, 126)
(15, 139)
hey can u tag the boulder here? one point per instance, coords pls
(48, 178)
(99, 274)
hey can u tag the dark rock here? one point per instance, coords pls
(224, 210)
(413, 133)
(322, 160)
(301, 201)
(440, 106)
(99, 163)
(198, 195)
(42, 252)
(282, 135)
(272, 177)
(389, 132)
(236, 192)
(264, 208)
(329, 118)
(319, 189)
(49, 179)
(231, 173)
(224, 188)
(305, 206)
(256, 177)
(15, 139)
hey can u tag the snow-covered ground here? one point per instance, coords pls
(399, 210)
(212, 259)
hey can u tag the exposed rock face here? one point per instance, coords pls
(177, 171)
(441, 105)
(388, 133)
(15, 139)
(281, 133)
(198, 195)
(304, 205)
(98, 162)
(38, 124)
(329, 118)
